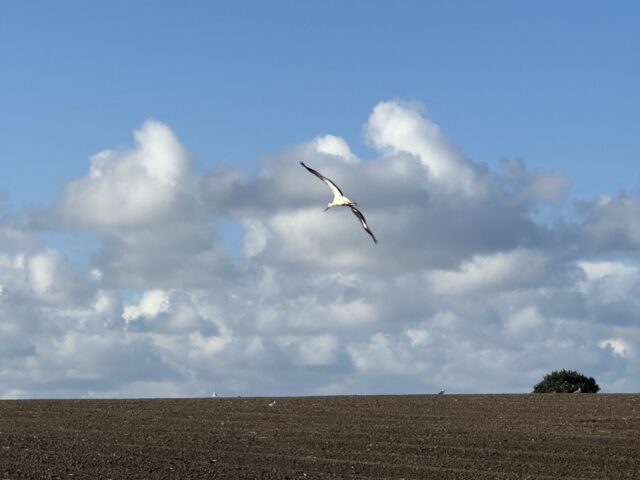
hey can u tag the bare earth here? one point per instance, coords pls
(417, 436)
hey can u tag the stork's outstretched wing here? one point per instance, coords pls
(334, 188)
(360, 216)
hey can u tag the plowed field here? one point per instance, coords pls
(376, 437)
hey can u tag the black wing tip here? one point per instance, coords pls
(360, 216)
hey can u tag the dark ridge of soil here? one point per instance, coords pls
(364, 437)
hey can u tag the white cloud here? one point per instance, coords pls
(380, 357)
(16, 237)
(465, 290)
(130, 187)
(502, 270)
(400, 128)
(151, 304)
(255, 238)
(618, 346)
(44, 271)
(317, 350)
(612, 223)
(308, 236)
(537, 185)
(609, 280)
(41, 276)
(524, 323)
(417, 336)
(176, 312)
(356, 312)
(105, 303)
(332, 145)
(12, 264)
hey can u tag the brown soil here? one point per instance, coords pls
(443, 437)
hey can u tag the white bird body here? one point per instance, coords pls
(339, 200)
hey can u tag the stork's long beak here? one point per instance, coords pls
(326, 209)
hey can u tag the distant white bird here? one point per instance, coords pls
(272, 403)
(214, 394)
(441, 392)
(339, 200)
(579, 390)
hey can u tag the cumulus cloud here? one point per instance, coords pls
(151, 304)
(129, 187)
(609, 280)
(612, 223)
(486, 273)
(332, 145)
(470, 287)
(399, 128)
(618, 346)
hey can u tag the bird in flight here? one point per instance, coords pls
(339, 200)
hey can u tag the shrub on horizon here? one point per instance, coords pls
(566, 381)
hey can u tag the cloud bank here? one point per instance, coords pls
(478, 284)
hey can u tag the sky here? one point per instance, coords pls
(158, 237)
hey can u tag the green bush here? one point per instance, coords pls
(566, 381)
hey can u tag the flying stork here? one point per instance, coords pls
(339, 200)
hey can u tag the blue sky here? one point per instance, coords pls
(193, 245)
(553, 83)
